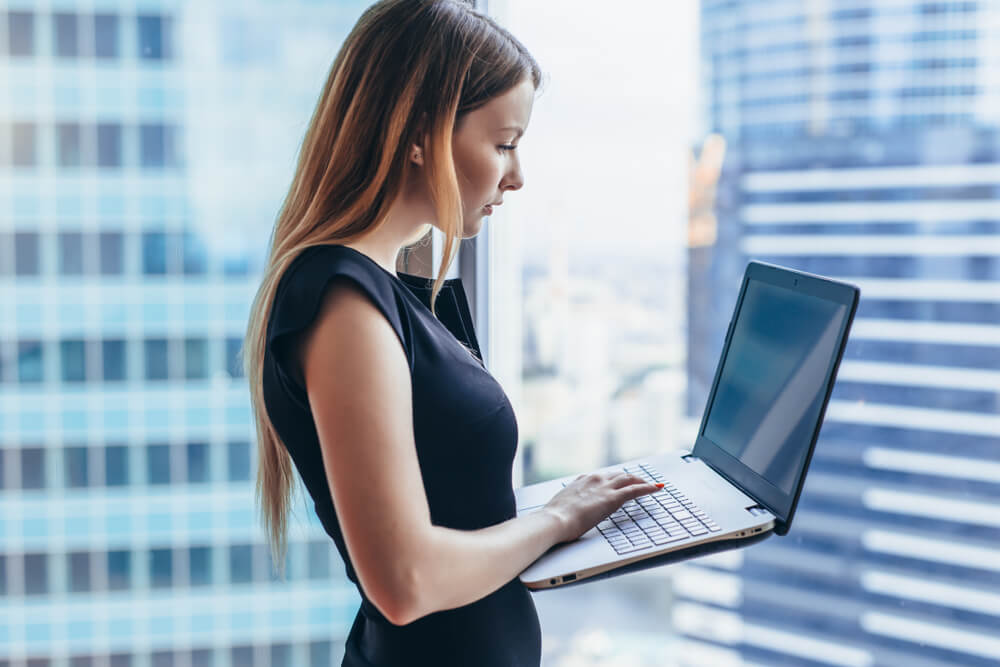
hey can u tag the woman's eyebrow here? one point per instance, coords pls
(520, 130)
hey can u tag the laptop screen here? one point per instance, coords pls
(775, 378)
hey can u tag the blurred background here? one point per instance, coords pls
(145, 147)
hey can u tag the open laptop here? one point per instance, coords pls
(744, 476)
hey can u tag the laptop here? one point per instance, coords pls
(743, 477)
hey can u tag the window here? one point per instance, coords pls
(21, 33)
(116, 465)
(3, 575)
(161, 563)
(194, 254)
(109, 145)
(30, 366)
(154, 37)
(33, 468)
(242, 655)
(3, 455)
(281, 655)
(26, 258)
(200, 561)
(156, 358)
(157, 146)
(319, 559)
(238, 461)
(70, 253)
(73, 360)
(320, 653)
(119, 570)
(68, 146)
(75, 465)
(202, 657)
(162, 659)
(111, 247)
(154, 253)
(122, 660)
(23, 150)
(105, 36)
(197, 462)
(234, 364)
(195, 359)
(79, 571)
(67, 39)
(36, 573)
(81, 661)
(240, 570)
(113, 360)
(158, 464)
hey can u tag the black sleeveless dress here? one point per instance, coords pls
(466, 437)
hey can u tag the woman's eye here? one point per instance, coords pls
(505, 147)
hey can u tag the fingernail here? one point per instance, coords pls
(659, 486)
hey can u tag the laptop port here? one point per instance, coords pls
(569, 577)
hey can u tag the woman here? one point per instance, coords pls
(403, 439)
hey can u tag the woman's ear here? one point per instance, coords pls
(417, 150)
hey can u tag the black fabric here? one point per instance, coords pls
(466, 436)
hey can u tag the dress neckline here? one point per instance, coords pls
(408, 279)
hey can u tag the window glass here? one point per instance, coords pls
(106, 35)
(158, 464)
(75, 466)
(67, 39)
(202, 657)
(121, 660)
(234, 364)
(154, 37)
(3, 575)
(26, 259)
(162, 659)
(240, 570)
(238, 458)
(119, 569)
(68, 144)
(70, 253)
(155, 350)
(154, 253)
(79, 571)
(36, 573)
(242, 655)
(152, 145)
(73, 360)
(81, 661)
(320, 653)
(111, 251)
(319, 559)
(113, 360)
(21, 33)
(116, 465)
(197, 462)
(30, 361)
(200, 560)
(281, 655)
(195, 358)
(33, 468)
(161, 563)
(23, 150)
(109, 145)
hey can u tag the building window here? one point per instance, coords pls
(3, 575)
(113, 360)
(241, 655)
(157, 145)
(202, 657)
(109, 145)
(112, 255)
(119, 570)
(154, 38)
(240, 570)
(281, 655)
(26, 255)
(73, 360)
(116, 465)
(121, 660)
(195, 358)
(319, 559)
(30, 360)
(154, 253)
(161, 563)
(200, 561)
(197, 462)
(156, 358)
(75, 465)
(33, 468)
(67, 40)
(81, 661)
(162, 659)
(21, 33)
(158, 464)
(36, 574)
(68, 144)
(71, 253)
(79, 572)
(320, 653)
(23, 148)
(3, 455)
(195, 261)
(234, 365)
(105, 35)
(238, 461)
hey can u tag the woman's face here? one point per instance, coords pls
(484, 150)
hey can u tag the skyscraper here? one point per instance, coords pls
(144, 149)
(862, 144)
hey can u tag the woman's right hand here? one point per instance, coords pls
(593, 497)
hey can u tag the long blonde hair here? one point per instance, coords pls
(408, 69)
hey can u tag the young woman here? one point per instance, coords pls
(402, 438)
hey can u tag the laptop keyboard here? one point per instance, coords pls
(654, 519)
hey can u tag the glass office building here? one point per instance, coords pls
(144, 147)
(863, 144)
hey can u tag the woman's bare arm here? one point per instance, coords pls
(358, 384)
